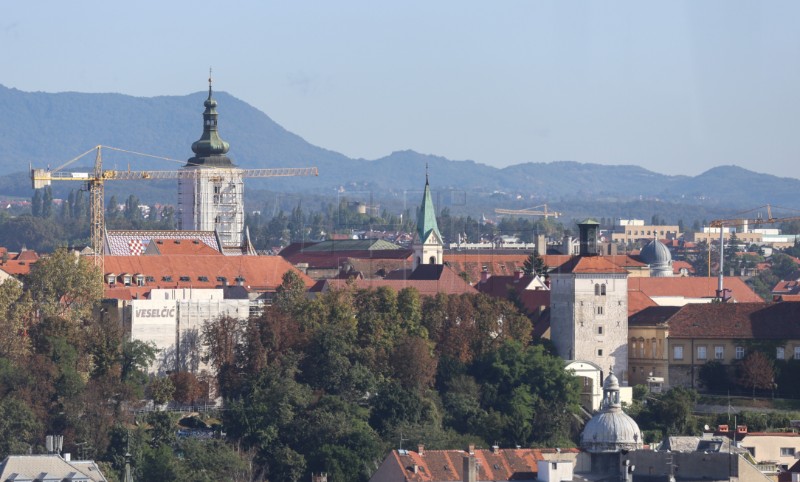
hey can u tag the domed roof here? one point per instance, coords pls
(655, 253)
(611, 429)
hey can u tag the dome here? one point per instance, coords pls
(611, 429)
(658, 257)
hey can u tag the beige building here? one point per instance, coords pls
(721, 332)
(781, 449)
(745, 238)
(631, 230)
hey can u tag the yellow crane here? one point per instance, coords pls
(529, 212)
(96, 179)
(763, 216)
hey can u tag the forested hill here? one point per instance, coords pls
(49, 129)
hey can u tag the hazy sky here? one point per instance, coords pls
(676, 87)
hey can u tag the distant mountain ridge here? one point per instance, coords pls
(48, 129)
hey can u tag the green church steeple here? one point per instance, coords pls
(426, 216)
(210, 149)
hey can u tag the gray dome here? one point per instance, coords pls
(611, 429)
(658, 257)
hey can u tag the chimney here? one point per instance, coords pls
(541, 245)
(471, 449)
(470, 470)
(321, 477)
(518, 274)
(495, 449)
(421, 449)
(485, 275)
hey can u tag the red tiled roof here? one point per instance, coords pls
(652, 315)
(788, 298)
(589, 265)
(638, 301)
(184, 246)
(446, 281)
(17, 268)
(678, 265)
(778, 321)
(790, 287)
(261, 273)
(447, 465)
(692, 287)
(27, 255)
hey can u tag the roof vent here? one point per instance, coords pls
(196, 241)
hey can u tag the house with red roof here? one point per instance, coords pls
(15, 265)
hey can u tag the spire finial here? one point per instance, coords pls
(210, 81)
(426, 173)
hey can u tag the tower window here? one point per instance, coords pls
(599, 310)
(600, 352)
(432, 260)
(599, 330)
(603, 289)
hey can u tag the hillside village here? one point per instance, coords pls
(390, 355)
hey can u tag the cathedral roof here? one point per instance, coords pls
(426, 219)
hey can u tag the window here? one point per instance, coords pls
(599, 330)
(739, 352)
(599, 310)
(787, 451)
(597, 289)
(719, 352)
(600, 352)
(701, 353)
(166, 278)
(797, 353)
(202, 278)
(185, 278)
(780, 353)
(602, 289)
(677, 352)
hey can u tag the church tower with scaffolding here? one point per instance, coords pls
(213, 200)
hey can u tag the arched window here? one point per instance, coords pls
(432, 260)
(603, 289)
(597, 289)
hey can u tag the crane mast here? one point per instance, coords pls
(725, 223)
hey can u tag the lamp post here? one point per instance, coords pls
(649, 382)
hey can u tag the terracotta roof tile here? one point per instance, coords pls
(589, 265)
(638, 301)
(27, 255)
(261, 273)
(653, 315)
(777, 321)
(678, 265)
(447, 465)
(446, 281)
(692, 287)
(17, 268)
(195, 247)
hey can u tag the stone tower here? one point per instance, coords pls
(213, 200)
(428, 248)
(589, 307)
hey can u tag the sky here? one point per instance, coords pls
(676, 87)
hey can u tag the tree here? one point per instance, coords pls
(756, 371)
(535, 264)
(47, 202)
(65, 285)
(714, 376)
(161, 390)
(36, 203)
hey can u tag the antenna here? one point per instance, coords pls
(402, 440)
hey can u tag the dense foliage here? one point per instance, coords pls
(324, 385)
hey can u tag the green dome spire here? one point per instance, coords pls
(210, 149)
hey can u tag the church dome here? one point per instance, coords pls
(611, 429)
(658, 257)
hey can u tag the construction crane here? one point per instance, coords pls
(96, 179)
(735, 222)
(529, 212)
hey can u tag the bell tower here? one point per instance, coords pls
(428, 247)
(213, 199)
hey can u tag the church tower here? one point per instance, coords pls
(213, 199)
(428, 248)
(589, 307)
